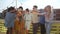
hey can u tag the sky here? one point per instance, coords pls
(29, 3)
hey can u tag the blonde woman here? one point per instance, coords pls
(48, 18)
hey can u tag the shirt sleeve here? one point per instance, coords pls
(42, 13)
(31, 17)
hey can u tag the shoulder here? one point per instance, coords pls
(8, 13)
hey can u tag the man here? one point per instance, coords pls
(35, 19)
(38, 20)
(42, 22)
(9, 20)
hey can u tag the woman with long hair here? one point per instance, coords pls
(48, 18)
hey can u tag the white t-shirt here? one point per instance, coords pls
(28, 17)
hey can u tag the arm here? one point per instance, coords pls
(41, 13)
(31, 18)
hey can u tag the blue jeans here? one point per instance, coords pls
(48, 27)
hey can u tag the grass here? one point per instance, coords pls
(2, 27)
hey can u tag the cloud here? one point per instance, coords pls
(41, 3)
(29, 3)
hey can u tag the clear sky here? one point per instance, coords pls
(29, 3)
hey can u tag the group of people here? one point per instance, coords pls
(19, 20)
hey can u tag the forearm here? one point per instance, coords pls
(41, 13)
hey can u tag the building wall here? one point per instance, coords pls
(57, 14)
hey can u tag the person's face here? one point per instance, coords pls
(21, 9)
(48, 9)
(35, 9)
(27, 11)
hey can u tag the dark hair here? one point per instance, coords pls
(27, 9)
(10, 8)
(21, 7)
(35, 6)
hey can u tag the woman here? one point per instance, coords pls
(19, 22)
(48, 18)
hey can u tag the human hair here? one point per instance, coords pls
(10, 8)
(35, 6)
(48, 6)
(21, 7)
(27, 10)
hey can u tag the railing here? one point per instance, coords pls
(54, 30)
(2, 27)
